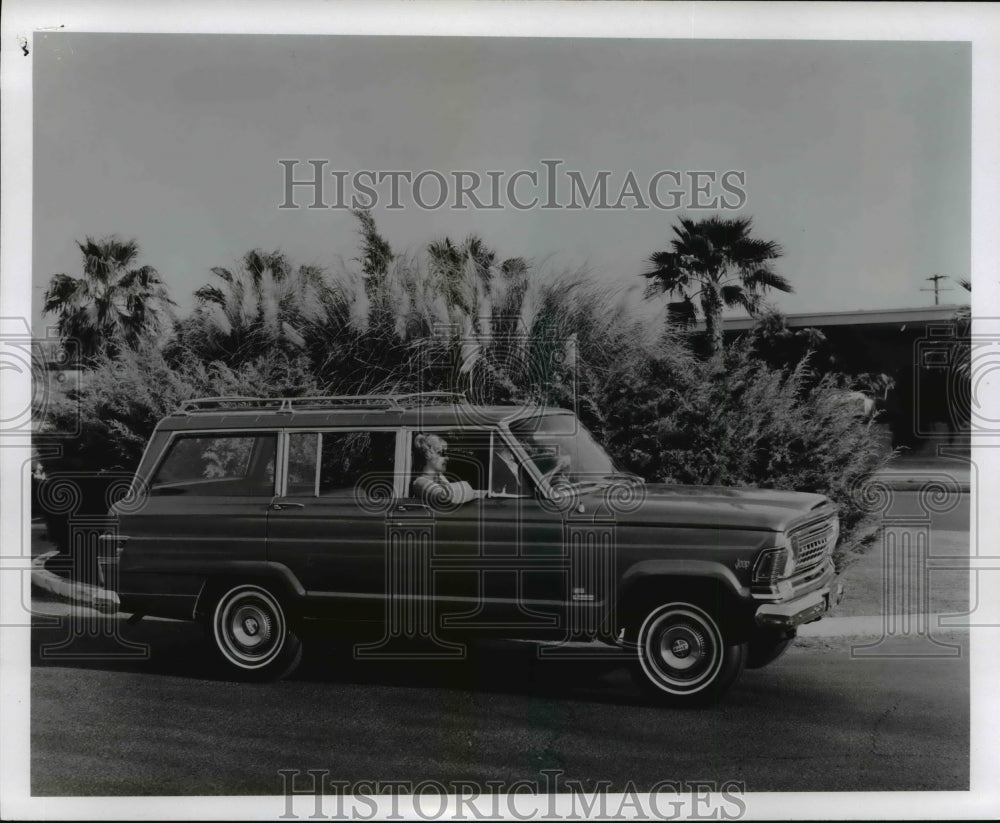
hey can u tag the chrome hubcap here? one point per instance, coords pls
(249, 627)
(683, 648)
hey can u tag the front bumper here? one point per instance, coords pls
(804, 609)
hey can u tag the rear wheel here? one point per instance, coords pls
(684, 657)
(252, 635)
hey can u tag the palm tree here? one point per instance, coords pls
(113, 305)
(716, 263)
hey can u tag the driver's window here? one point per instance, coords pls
(450, 456)
(477, 463)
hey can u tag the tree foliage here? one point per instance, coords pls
(114, 305)
(780, 346)
(121, 399)
(263, 305)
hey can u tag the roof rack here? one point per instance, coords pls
(289, 405)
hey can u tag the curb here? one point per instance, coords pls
(901, 625)
(909, 483)
(80, 594)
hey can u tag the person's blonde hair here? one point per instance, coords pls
(427, 443)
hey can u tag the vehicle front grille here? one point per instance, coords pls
(812, 544)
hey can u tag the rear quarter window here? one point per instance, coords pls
(218, 465)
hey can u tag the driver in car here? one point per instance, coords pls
(431, 484)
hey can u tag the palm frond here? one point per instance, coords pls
(732, 295)
(762, 278)
(64, 293)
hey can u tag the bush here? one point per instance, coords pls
(735, 421)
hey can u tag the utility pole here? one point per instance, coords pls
(935, 279)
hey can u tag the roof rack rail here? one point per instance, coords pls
(453, 396)
(223, 403)
(289, 405)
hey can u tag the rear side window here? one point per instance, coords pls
(334, 464)
(218, 465)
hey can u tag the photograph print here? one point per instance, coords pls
(486, 423)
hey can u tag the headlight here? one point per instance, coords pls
(774, 564)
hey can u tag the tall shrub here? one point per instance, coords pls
(733, 420)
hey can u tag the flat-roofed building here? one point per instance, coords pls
(919, 348)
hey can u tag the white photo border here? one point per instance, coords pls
(22, 20)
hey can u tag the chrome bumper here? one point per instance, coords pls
(801, 610)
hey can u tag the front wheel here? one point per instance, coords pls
(684, 657)
(252, 635)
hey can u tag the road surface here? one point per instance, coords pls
(815, 720)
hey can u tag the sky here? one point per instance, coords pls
(855, 155)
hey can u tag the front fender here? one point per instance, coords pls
(705, 582)
(679, 568)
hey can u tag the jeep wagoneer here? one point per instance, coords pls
(425, 517)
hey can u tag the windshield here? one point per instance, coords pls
(562, 449)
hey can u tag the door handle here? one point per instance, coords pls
(281, 506)
(412, 508)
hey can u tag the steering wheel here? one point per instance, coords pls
(562, 464)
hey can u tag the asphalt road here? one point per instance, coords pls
(814, 720)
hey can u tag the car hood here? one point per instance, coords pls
(714, 506)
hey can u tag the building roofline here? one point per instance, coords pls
(860, 317)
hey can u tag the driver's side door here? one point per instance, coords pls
(497, 560)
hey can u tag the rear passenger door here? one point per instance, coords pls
(327, 524)
(206, 505)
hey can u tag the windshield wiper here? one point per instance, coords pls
(603, 480)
